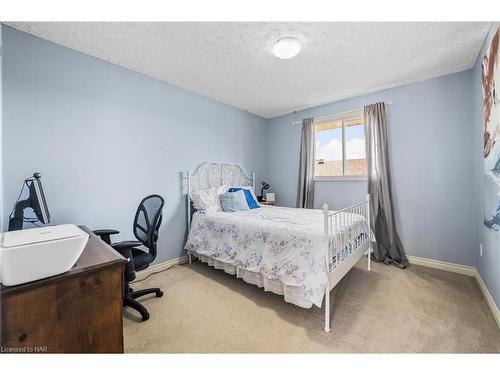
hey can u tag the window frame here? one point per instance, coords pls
(343, 116)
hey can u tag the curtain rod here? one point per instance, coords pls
(299, 122)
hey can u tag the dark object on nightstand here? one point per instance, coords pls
(266, 203)
(265, 186)
(146, 226)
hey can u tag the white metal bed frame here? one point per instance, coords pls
(340, 246)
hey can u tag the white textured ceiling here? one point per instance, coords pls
(233, 63)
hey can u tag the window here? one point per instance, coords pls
(340, 146)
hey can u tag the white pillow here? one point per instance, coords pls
(208, 200)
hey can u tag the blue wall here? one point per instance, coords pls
(104, 137)
(488, 265)
(430, 149)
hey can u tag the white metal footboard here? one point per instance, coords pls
(347, 235)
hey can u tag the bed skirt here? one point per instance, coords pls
(291, 294)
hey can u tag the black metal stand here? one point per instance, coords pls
(16, 221)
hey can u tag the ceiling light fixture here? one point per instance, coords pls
(286, 48)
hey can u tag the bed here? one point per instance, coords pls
(298, 253)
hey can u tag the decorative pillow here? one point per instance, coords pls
(233, 202)
(208, 200)
(249, 195)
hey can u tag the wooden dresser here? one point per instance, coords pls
(79, 311)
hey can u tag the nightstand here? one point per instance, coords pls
(265, 203)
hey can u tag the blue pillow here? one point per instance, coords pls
(252, 203)
(233, 201)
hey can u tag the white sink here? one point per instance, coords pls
(33, 254)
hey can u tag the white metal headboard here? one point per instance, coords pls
(210, 174)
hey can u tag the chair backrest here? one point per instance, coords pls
(148, 220)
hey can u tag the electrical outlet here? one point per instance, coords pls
(481, 249)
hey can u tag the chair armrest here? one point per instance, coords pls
(129, 266)
(120, 246)
(125, 249)
(105, 233)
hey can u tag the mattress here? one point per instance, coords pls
(280, 249)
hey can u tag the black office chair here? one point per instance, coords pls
(146, 225)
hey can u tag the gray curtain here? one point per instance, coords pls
(388, 247)
(305, 189)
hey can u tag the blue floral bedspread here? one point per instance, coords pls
(278, 242)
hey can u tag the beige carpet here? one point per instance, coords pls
(387, 310)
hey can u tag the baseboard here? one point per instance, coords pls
(489, 299)
(440, 265)
(463, 270)
(163, 266)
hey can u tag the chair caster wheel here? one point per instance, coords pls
(159, 294)
(145, 317)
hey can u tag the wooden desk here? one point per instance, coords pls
(79, 311)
